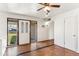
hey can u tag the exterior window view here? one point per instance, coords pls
(12, 33)
(39, 29)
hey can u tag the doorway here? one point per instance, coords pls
(33, 31)
(71, 35)
(24, 32)
(12, 32)
(21, 31)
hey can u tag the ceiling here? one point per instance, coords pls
(30, 9)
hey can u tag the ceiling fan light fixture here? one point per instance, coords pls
(46, 15)
(47, 23)
(47, 8)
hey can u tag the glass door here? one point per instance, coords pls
(12, 33)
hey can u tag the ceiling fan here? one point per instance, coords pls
(47, 7)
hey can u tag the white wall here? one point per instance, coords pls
(3, 31)
(0, 47)
(42, 32)
(78, 32)
(59, 26)
(59, 32)
(51, 30)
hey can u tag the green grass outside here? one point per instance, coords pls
(11, 38)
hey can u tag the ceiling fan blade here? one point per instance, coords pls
(45, 4)
(41, 3)
(55, 6)
(40, 8)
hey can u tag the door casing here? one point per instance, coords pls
(8, 19)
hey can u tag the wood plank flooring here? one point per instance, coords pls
(44, 48)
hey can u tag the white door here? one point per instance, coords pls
(24, 32)
(71, 33)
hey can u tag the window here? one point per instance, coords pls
(26, 27)
(22, 27)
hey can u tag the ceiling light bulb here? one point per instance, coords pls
(46, 23)
(46, 15)
(46, 8)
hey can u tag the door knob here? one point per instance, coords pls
(74, 35)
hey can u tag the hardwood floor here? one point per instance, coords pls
(44, 48)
